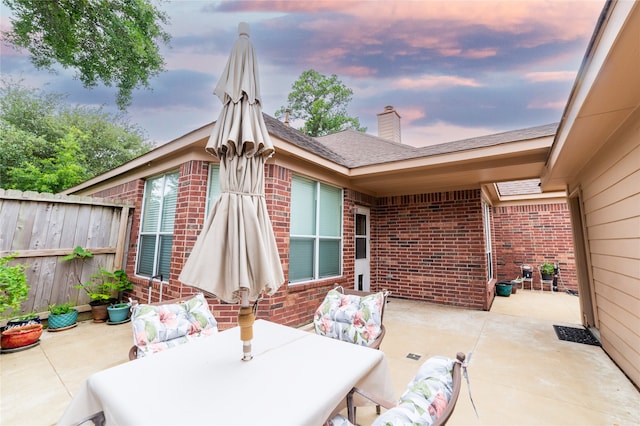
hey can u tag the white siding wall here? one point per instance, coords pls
(611, 201)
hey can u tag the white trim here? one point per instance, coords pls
(586, 79)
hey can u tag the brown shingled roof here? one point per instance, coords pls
(361, 149)
(289, 134)
(519, 187)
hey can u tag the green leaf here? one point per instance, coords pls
(115, 42)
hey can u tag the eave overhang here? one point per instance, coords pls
(605, 94)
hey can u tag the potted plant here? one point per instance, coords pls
(119, 282)
(514, 284)
(101, 289)
(503, 288)
(101, 296)
(62, 316)
(13, 291)
(547, 270)
(26, 319)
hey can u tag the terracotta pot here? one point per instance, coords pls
(18, 337)
(99, 313)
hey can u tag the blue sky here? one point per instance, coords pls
(452, 69)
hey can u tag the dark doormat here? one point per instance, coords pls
(578, 335)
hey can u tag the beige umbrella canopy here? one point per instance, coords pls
(235, 256)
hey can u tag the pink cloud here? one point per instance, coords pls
(545, 76)
(543, 20)
(539, 104)
(441, 132)
(429, 81)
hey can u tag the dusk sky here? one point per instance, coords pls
(452, 69)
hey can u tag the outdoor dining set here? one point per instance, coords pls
(180, 359)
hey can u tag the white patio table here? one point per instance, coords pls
(295, 378)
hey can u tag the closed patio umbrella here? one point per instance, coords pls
(235, 256)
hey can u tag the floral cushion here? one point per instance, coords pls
(159, 327)
(355, 319)
(338, 420)
(425, 398)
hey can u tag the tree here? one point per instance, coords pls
(321, 102)
(47, 145)
(54, 174)
(112, 41)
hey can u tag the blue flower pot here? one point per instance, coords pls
(503, 288)
(118, 312)
(63, 320)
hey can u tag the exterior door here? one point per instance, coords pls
(362, 250)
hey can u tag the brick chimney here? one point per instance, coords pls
(389, 124)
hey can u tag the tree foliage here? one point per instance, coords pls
(47, 145)
(321, 102)
(115, 42)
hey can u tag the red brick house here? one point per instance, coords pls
(356, 210)
(443, 223)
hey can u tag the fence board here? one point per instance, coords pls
(8, 223)
(24, 226)
(42, 228)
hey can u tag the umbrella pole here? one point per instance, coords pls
(245, 321)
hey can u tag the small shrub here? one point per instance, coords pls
(61, 308)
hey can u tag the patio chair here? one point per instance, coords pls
(163, 325)
(527, 275)
(353, 316)
(429, 399)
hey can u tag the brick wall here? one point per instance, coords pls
(291, 305)
(431, 247)
(426, 247)
(534, 234)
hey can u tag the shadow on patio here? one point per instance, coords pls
(520, 372)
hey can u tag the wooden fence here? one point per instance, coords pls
(42, 228)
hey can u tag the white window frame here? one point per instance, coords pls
(486, 220)
(317, 237)
(213, 187)
(158, 232)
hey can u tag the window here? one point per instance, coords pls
(213, 187)
(156, 231)
(486, 217)
(361, 236)
(315, 249)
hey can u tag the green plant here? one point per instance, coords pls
(104, 284)
(13, 286)
(79, 256)
(121, 283)
(61, 308)
(26, 317)
(97, 291)
(547, 268)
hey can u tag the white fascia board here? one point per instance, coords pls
(474, 154)
(588, 75)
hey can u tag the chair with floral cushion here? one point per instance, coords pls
(428, 400)
(163, 325)
(352, 316)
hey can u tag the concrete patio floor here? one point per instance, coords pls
(520, 372)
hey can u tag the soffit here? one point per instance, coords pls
(606, 93)
(457, 165)
(448, 174)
